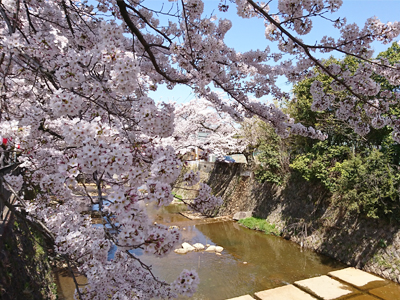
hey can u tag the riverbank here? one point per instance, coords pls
(304, 213)
(25, 268)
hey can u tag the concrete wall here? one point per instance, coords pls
(203, 166)
(25, 271)
(6, 194)
(305, 213)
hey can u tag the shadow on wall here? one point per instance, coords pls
(306, 214)
(25, 272)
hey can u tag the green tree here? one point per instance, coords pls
(360, 172)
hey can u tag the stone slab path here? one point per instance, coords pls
(345, 284)
(287, 292)
(326, 288)
(245, 297)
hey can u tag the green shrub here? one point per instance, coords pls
(318, 163)
(259, 224)
(273, 159)
(366, 182)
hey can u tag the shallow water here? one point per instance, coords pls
(250, 262)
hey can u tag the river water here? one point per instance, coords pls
(250, 262)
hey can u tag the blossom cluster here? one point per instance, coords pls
(205, 202)
(75, 82)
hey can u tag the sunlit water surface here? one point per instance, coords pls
(250, 262)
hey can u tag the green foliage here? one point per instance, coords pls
(361, 173)
(338, 132)
(392, 55)
(382, 243)
(259, 224)
(317, 164)
(273, 158)
(368, 184)
(299, 108)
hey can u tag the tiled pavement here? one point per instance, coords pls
(345, 284)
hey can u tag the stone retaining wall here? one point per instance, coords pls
(304, 213)
(25, 269)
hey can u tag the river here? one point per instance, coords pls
(250, 262)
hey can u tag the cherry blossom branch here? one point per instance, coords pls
(73, 277)
(87, 193)
(306, 50)
(41, 127)
(42, 226)
(146, 267)
(28, 15)
(151, 26)
(124, 13)
(11, 29)
(187, 28)
(64, 5)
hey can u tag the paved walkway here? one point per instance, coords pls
(345, 284)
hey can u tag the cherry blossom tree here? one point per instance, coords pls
(200, 125)
(75, 78)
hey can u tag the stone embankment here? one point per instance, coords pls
(25, 268)
(304, 213)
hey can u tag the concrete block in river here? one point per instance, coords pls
(245, 297)
(326, 288)
(358, 278)
(287, 292)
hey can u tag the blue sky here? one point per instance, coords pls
(248, 34)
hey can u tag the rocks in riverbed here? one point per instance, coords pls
(186, 247)
(218, 249)
(180, 251)
(211, 249)
(199, 246)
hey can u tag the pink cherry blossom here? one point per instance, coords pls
(75, 82)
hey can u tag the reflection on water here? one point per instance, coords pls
(66, 285)
(251, 261)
